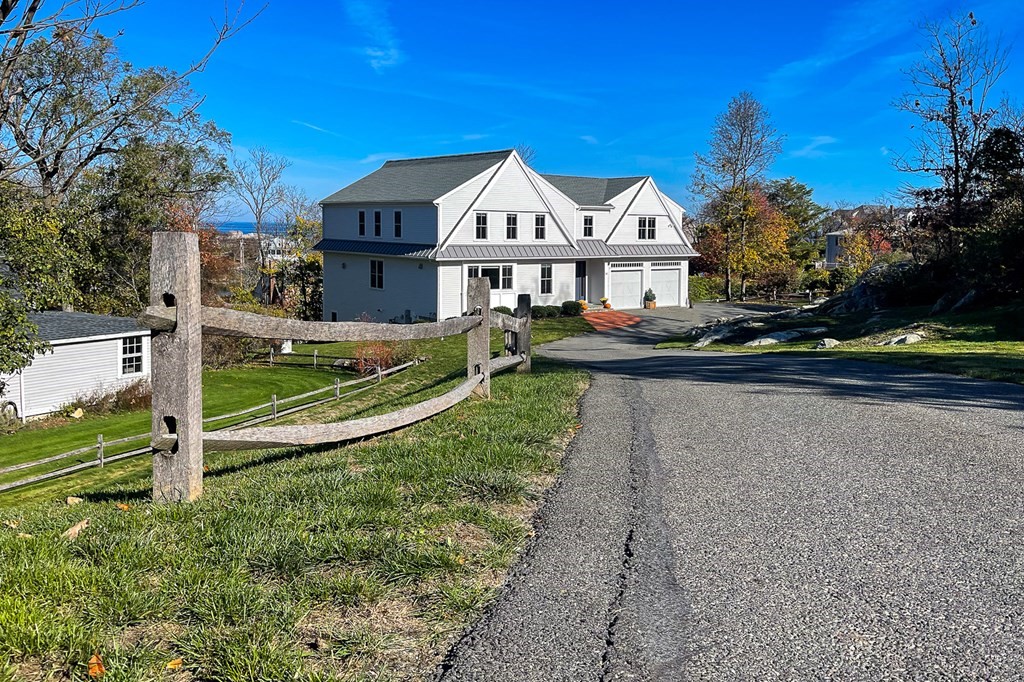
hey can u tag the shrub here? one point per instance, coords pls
(553, 310)
(815, 279)
(649, 295)
(138, 395)
(542, 311)
(503, 309)
(374, 355)
(572, 308)
(841, 278)
(703, 288)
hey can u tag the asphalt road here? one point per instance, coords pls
(727, 517)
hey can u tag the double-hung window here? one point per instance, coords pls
(646, 227)
(376, 223)
(481, 226)
(376, 274)
(398, 224)
(131, 355)
(362, 223)
(588, 226)
(500, 276)
(545, 278)
(540, 229)
(511, 226)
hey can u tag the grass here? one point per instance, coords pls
(357, 562)
(984, 344)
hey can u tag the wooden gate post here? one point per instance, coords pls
(524, 312)
(478, 339)
(177, 369)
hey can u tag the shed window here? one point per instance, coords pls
(131, 355)
(398, 224)
(511, 226)
(588, 226)
(539, 226)
(481, 226)
(545, 278)
(376, 274)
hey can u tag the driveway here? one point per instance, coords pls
(758, 517)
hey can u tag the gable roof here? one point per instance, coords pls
(591, 191)
(417, 180)
(57, 325)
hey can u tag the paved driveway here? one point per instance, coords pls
(756, 517)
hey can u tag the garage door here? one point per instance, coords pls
(626, 289)
(666, 286)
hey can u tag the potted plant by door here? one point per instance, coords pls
(605, 303)
(649, 299)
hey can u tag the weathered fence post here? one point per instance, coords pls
(271, 356)
(337, 388)
(379, 377)
(99, 448)
(314, 358)
(177, 369)
(524, 313)
(273, 406)
(478, 339)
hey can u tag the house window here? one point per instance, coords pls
(539, 226)
(545, 278)
(646, 227)
(131, 355)
(398, 224)
(588, 226)
(376, 274)
(362, 223)
(511, 226)
(500, 276)
(334, 316)
(376, 223)
(481, 226)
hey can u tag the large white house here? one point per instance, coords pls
(400, 243)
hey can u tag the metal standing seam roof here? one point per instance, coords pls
(588, 248)
(417, 180)
(592, 191)
(57, 325)
(375, 248)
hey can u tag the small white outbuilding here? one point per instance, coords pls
(88, 353)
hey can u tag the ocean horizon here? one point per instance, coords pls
(243, 226)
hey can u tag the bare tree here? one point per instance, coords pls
(951, 92)
(302, 219)
(743, 145)
(256, 182)
(526, 153)
(67, 99)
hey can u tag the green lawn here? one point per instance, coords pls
(357, 562)
(985, 344)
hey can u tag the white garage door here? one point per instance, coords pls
(626, 290)
(666, 286)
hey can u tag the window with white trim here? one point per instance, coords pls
(362, 223)
(540, 229)
(376, 274)
(376, 223)
(398, 224)
(511, 226)
(500, 276)
(645, 227)
(545, 278)
(588, 226)
(481, 226)
(131, 355)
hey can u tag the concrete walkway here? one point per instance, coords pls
(758, 517)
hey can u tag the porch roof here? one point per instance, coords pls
(588, 248)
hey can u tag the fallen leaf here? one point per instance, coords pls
(72, 532)
(206, 468)
(24, 535)
(72, 501)
(11, 523)
(96, 668)
(175, 664)
(122, 506)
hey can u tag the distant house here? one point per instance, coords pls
(89, 353)
(401, 243)
(868, 220)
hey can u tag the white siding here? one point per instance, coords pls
(72, 370)
(646, 203)
(450, 290)
(419, 222)
(408, 289)
(454, 205)
(563, 282)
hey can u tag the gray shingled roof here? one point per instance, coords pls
(417, 180)
(55, 325)
(589, 248)
(591, 191)
(375, 248)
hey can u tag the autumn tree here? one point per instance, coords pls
(795, 200)
(742, 147)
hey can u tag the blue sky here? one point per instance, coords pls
(606, 89)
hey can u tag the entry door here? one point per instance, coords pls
(581, 280)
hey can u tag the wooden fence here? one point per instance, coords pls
(179, 319)
(275, 408)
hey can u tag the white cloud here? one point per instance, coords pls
(885, 151)
(371, 17)
(589, 139)
(813, 149)
(316, 128)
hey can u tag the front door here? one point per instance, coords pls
(581, 280)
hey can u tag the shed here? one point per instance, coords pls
(89, 353)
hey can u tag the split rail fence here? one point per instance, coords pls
(178, 320)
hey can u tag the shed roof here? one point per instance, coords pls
(417, 180)
(57, 325)
(375, 248)
(588, 248)
(592, 191)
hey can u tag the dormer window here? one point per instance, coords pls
(646, 227)
(588, 226)
(481, 226)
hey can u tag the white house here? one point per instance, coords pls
(400, 243)
(88, 353)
